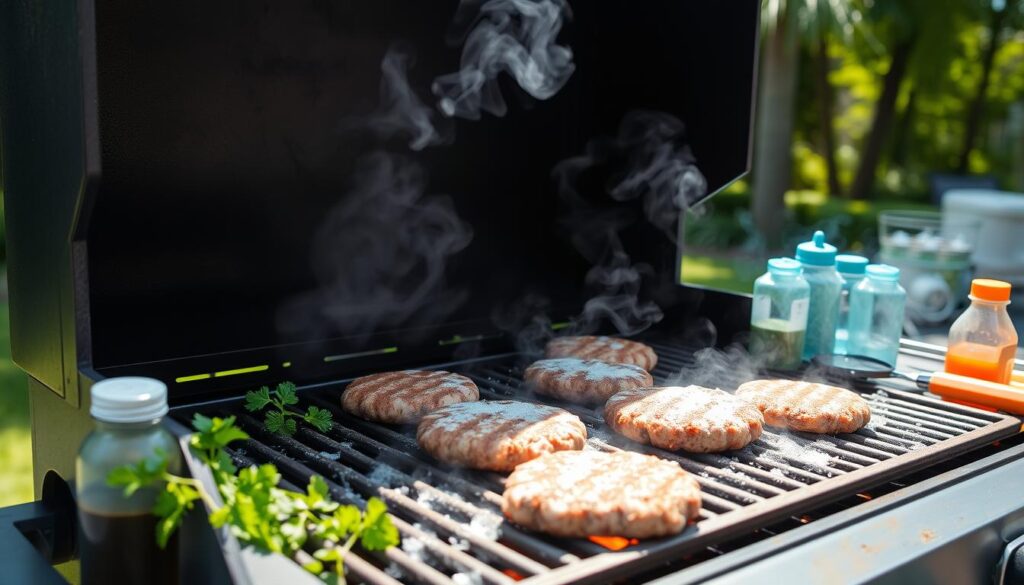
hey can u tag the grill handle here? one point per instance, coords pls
(1011, 565)
(36, 535)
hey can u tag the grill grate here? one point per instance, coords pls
(450, 519)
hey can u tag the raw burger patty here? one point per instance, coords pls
(593, 493)
(498, 434)
(606, 349)
(404, 397)
(584, 381)
(696, 419)
(807, 406)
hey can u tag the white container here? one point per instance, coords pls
(999, 250)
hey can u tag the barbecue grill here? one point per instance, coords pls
(224, 195)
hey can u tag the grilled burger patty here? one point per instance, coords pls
(584, 381)
(405, 396)
(606, 349)
(807, 406)
(696, 419)
(593, 493)
(498, 434)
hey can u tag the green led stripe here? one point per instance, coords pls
(562, 325)
(348, 356)
(184, 379)
(286, 365)
(240, 371)
(459, 339)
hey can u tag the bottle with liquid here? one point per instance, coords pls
(818, 260)
(982, 341)
(877, 304)
(778, 319)
(117, 534)
(851, 268)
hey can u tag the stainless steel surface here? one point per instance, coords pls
(439, 510)
(949, 529)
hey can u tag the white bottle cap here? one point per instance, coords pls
(128, 399)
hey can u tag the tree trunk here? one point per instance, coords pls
(825, 108)
(871, 154)
(901, 142)
(977, 107)
(773, 137)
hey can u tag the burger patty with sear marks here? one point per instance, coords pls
(594, 493)
(606, 349)
(691, 418)
(498, 434)
(583, 381)
(807, 406)
(405, 396)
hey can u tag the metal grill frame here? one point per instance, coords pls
(550, 561)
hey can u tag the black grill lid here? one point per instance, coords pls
(253, 206)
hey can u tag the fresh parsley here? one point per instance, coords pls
(281, 419)
(257, 511)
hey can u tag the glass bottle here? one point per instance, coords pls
(983, 341)
(778, 319)
(876, 314)
(117, 534)
(819, 263)
(851, 268)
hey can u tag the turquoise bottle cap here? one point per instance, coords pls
(882, 272)
(816, 252)
(851, 263)
(787, 265)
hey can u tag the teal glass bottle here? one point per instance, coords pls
(778, 318)
(876, 314)
(851, 268)
(818, 260)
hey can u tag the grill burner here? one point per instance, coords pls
(450, 519)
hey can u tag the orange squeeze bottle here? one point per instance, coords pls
(982, 341)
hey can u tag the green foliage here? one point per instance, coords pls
(256, 511)
(279, 418)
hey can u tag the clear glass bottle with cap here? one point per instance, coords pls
(818, 260)
(778, 318)
(876, 314)
(851, 269)
(983, 341)
(117, 534)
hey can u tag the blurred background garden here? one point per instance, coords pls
(864, 106)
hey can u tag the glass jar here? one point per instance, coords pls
(117, 534)
(778, 319)
(876, 314)
(851, 268)
(818, 260)
(983, 341)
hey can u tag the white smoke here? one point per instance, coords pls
(401, 111)
(380, 254)
(649, 159)
(516, 37)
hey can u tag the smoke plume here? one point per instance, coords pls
(380, 254)
(516, 37)
(401, 111)
(649, 160)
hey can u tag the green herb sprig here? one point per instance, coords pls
(257, 511)
(280, 419)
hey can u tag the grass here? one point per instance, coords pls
(15, 437)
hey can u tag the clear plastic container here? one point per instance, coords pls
(983, 341)
(117, 534)
(877, 306)
(851, 268)
(819, 263)
(778, 319)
